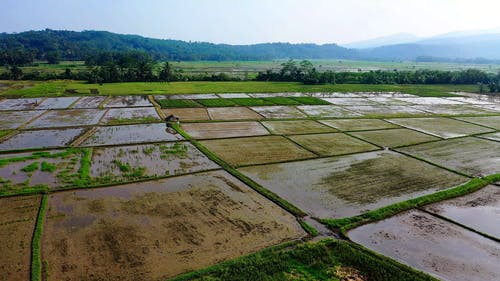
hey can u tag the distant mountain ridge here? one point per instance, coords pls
(72, 45)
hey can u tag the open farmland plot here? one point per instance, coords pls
(278, 112)
(233, 113)
(454, 109)
(358, 124)
(131, 115)
(89, 102)
(346, 186)
(120, 163)
(128, 101)
(14, 119)
(440, 127)
(188, 114)
(36, 171)
(479, 210)
(218, 130)
(20, 104)
(323, 111)
(256, 150)
(17, 222)
(41, 139)
(436, 246)
(394, 137)
(429, 100)
(487, 121)
(296, 127)
(388, 101)
(159, 230)
(332, 144)
(57, 103)
(385, 110)
(492, 136)
(125, 134)
(349, 101)
(67, 118)
(472, 156)
(472, 100)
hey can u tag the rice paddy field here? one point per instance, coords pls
(250, 186)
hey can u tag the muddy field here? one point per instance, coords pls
(188, 114)
(346, 186)
(349, 101)
(436, 246)
(488, 121)
(233, 113)
(358, 124)
(296, 127)
(17, 222)
(385, 110)
(67, 118)
(332, 144)
(119, 163)
(278, 112)
(256, 150)
(394, 137)
(325, 111)
(479, 210)
(128, 101)
(453, 109)
(472, 156)
(440, 127)
(126, 134)
(20, 104)
(57, 103)
(89, 102)
(159, 230)
(492, 136)
(218, 130)
(130, 115)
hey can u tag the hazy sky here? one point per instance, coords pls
(253, 21)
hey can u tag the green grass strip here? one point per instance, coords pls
(36, 244)
(282, 101)
(265, 192)
(309, 228)
(84, 171)
(177, 103)
(251, 101)
(310, 261)
(345, 224)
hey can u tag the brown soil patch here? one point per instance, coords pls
(394, 137)
(156, 230)
(188, 114)
(233, 113)
(17, 222)
(332, 144)
(224, 129)
(256, 150)
(296, 127)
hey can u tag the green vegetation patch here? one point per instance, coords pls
(36, 244)
(216, 102)
(30, 168)
(251, 101)
(47, 167)
(177, 103)
(282, 101)
(325, 260)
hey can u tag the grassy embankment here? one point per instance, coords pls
(58, 88)
(36, 243)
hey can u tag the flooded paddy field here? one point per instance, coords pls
(346, 186)
(472, 156)
(349, 101)
(233, 113)
(38, 170)
(325, 111)
(20, 104)
(256, 150)
(233, 95)
(296, 127)
(472, 100)
(130, 115)
(394, 137)
(488, 121)
(492, 136)
(440, 127)
(159, 230)
(120, 163)
(218, 130)
(67, 118)
(479, 210)
(388, 101)
(89, 102)
(14, 119)
(278, 112)
(454, 109)
(385, 110)
(358, 124)
(332, 144)
(128, 101)
(428, 100)
(17, 222)
(433, 245)
(126, 134)
(57, 103)
(41, 139)
(188, 114)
